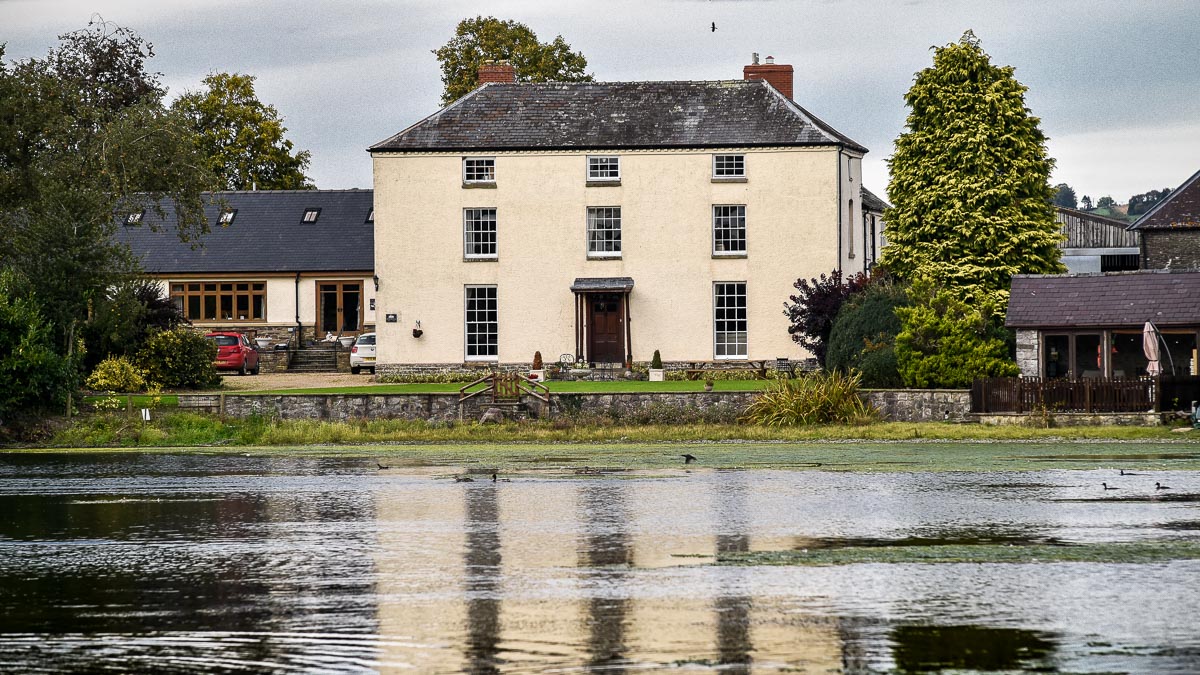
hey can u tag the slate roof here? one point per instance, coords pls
(602, 284)
(266, 235)
(617, 115)
(1179, 210)
(872, 203)
(1127, 299)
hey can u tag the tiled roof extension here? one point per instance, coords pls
(266, 235)
(617, 115)
(872, 203)
(1126, 299)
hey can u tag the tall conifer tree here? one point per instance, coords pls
(970, 180)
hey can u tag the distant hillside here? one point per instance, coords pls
(1117, 211)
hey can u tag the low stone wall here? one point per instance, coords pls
(1148, 419)
(921, 405)
(896, 405)
(271, 361)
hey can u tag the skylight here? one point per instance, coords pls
(227, 216)
(134, 218)
(310, 215)
(371, 216)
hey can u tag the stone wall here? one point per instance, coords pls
(896, 405)
(921, 405)
(1027, 353)
(271, 361)
(1170, 249)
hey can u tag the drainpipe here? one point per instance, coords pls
(299, 326)
(839, 210)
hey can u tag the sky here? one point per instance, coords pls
(1116, 84)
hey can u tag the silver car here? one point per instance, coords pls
(362, 354)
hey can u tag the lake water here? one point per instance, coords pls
(188, 563)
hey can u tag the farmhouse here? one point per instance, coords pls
(603, 221)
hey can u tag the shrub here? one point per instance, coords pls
(179, 359)
(812, 398)
(815, 306)
(656, 361)
(116, 374)
(125, 316)
(537, 361)
(33, 376)
(864, 335)
(945, 342)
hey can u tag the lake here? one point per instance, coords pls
(178, 562)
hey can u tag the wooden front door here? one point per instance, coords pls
(339, 307)
(606, 335)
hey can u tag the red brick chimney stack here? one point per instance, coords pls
(490, 71)
(778, 76)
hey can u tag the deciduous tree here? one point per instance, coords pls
(969, 179)
(243, 137)
(1064, 196)
(488, 38)
(812, 310)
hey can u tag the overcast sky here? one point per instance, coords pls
(1116, 84)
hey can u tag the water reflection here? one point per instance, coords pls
(152, 563)
(482, 578)
(605, 552)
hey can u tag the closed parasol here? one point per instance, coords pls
(1150, 349)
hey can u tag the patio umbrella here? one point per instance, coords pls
(1150, 349)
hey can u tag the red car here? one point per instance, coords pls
(234, 353)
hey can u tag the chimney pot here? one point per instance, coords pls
(754, 58)
(770, 60)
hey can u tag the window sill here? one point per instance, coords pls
(603, 183)
(493, 258)
(730, 179)
(729, 255)
(731, 358)
(593, 256)
(480, 185)
(481, 359)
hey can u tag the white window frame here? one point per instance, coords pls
(593, 215)
(467, 232)
(720, 316)
(311, 215)
(725, 227)
(597, 164)
(731, 172)
(468, 162)
(468, 323)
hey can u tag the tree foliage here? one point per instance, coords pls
(243, 137)
(863, 337)
(947, 342)
(812, 310)
(970, 179)
(125, 315)
(85, 137)
(1106, 202)
(1064, 196)
(1085, 203)
(488, 38)
(1139, 204)
(179, 359)
(32, 375)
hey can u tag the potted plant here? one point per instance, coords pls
(708, 384)
(263, 343)
(537, 372)
(657, 374)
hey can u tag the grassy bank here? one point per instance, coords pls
(190, 429)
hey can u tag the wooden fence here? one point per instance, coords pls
(1032, 394)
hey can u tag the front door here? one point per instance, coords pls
(606, 343)
(339, 307)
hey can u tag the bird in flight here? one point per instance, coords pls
(714, 27)
(688, 458)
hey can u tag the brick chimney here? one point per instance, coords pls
(490, 71)
(778, 76)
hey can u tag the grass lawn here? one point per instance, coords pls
(135, 401)
(620, 386)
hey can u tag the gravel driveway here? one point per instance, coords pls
(294, 381)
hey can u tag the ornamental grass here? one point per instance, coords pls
(812, 399)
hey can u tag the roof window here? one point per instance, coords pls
(371, 216)
(227, 216)
(310, 215)
(135, 217)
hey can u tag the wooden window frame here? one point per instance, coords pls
(182, 292)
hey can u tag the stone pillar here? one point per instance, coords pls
(1027, 353)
